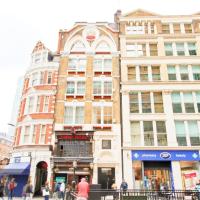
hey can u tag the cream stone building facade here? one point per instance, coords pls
(160, 88)
(87, 115)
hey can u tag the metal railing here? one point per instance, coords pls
(141, 195)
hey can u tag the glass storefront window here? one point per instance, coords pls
(151, 175)
(189, 173)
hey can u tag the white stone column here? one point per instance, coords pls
(176, 173)
(128, 172)
(95, 172)
(170, 127)
(126, 120)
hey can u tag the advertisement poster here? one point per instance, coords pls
(190, 180)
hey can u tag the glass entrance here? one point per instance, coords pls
(157, 174)
(106, 177)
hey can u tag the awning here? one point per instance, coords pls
(16, 169)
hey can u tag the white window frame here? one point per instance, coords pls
(75, 82)
(102, 82)
(101, 105)
(101, 67)
(74, 105)
(77, 64)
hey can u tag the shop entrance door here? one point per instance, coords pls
(41, 177)
(157, 174)
(106, 177)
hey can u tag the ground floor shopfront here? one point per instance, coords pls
(173, 168)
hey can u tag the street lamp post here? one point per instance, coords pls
(74, 171)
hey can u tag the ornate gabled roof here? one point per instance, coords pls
(39, 46)
(139, 13)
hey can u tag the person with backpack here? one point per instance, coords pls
(124, 186)
(11, 186)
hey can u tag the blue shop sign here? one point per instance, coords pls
(165, 155)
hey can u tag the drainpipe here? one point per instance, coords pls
(117, 14)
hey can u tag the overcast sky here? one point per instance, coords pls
(24, 22)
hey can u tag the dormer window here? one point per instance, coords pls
(40, 57)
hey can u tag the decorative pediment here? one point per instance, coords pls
(140, 13)
(39, 47)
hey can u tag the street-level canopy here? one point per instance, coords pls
(16, 169)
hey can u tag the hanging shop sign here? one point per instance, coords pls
(165, 155)
(73, 137)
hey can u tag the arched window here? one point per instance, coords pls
(78, 46)
(103, 47)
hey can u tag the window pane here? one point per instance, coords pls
(165, 28)
(81, 65)
(80, 87)
(188, 28)
(153, 49)
(31, 104)
(79, 115)
(107, 115)
(180, 133)
(146, 102)
(49, 78)
(180, 49)
(68, 118)
(135, 133)
(155, 73)
(192, 49)
(171, 72)
(97, 87)
(194, 133)
(108, 88)
(134, 106)
(176, 102)
(184, 72)
(188, 101)
(98, 65)
(198, 100)
(97, 115)
(72, 64)
(106, 144)
(70, 87)
(161, 133)
(168, 49)
(131, 73)
(107, 65)
(158, 102)
(196, 72)
(177, 28)
(148, 133)
(143, 73)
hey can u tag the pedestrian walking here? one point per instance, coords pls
(62, 190)
(28, 190)
(83, 190)
(56, 190)
(11, 186)
(46, 191)
(2, 188)
(68, 192)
